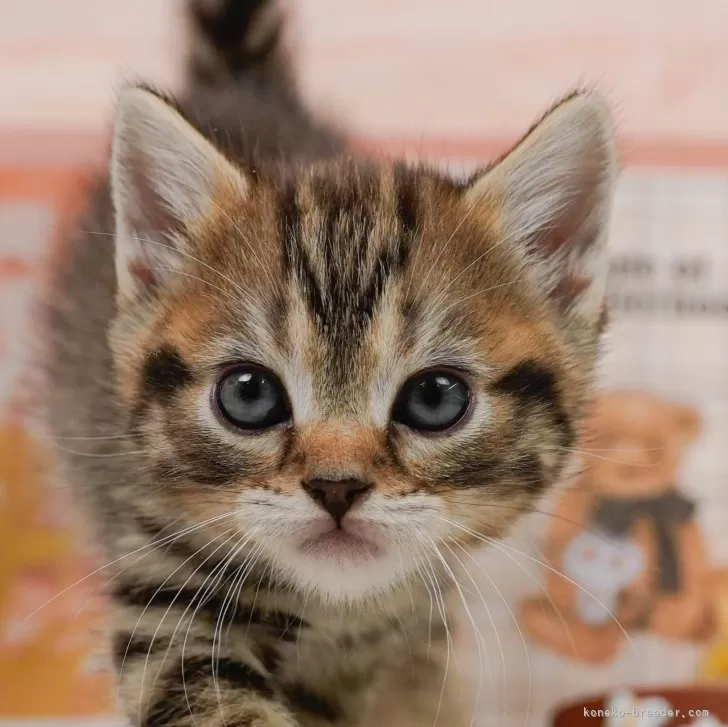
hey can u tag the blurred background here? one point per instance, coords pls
(454, 82)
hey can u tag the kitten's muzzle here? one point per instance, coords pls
(336, 496)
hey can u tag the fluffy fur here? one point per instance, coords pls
(235, 227)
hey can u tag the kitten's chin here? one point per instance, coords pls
(347, 564)
(343, 545)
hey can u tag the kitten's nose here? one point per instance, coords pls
(336, 496)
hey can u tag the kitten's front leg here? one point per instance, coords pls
(160, 686)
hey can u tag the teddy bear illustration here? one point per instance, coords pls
(624, 550)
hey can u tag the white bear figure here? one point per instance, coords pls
(602, 566)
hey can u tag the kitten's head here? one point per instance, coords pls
(354, 364)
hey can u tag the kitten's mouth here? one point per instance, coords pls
(340, 543)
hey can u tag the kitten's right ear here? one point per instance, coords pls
(553, 193)
(164, 177)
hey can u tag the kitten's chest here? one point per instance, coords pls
(353, 677)
(338, 675)
(349, 658)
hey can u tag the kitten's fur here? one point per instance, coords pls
(260, 237)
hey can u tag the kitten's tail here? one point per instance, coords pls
(235, 39)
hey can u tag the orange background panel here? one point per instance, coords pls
(52, 619)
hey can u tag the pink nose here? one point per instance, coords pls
(336, 496)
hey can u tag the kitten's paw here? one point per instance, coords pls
(269, 717)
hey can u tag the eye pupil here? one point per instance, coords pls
(252, 398)
(432, 401)
(248, 387)
(432, 391)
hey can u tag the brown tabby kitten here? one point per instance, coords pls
(294, 387)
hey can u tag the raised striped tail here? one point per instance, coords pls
(235, 39)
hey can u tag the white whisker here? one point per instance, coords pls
(440, 603)
(169, 608)
(490, 618)
(151, 547)
(499, 544)
(482, 651)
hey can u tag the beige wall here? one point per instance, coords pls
(466, 68)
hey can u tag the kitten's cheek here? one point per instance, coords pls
(473, 516)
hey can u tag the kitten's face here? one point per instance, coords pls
(357, 368)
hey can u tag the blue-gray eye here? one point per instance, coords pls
(252, 398)
(432, 401)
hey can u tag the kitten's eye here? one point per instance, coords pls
(252, 398)
(432, 401)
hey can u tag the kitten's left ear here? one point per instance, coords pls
(553, 193)
(164, 177)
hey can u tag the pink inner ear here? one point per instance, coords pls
(152, 213)
(565, 227)
(569, 288)
(142, 273)
(571, 225)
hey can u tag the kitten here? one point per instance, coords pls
(295, 387)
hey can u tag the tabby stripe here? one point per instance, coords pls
(533, 383)
(165, 372)
(211, 605)
(127, 645)
(165, 541)
(303, 700)
(205, 463)
(295, 260)
(237, 673)
(307, 280)
(270, 657)
(172, 706)
(165, 537)
(528, 470)
(389, 261)
(170, 709)
(530, 381)
(289, 217)
(406, 199)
